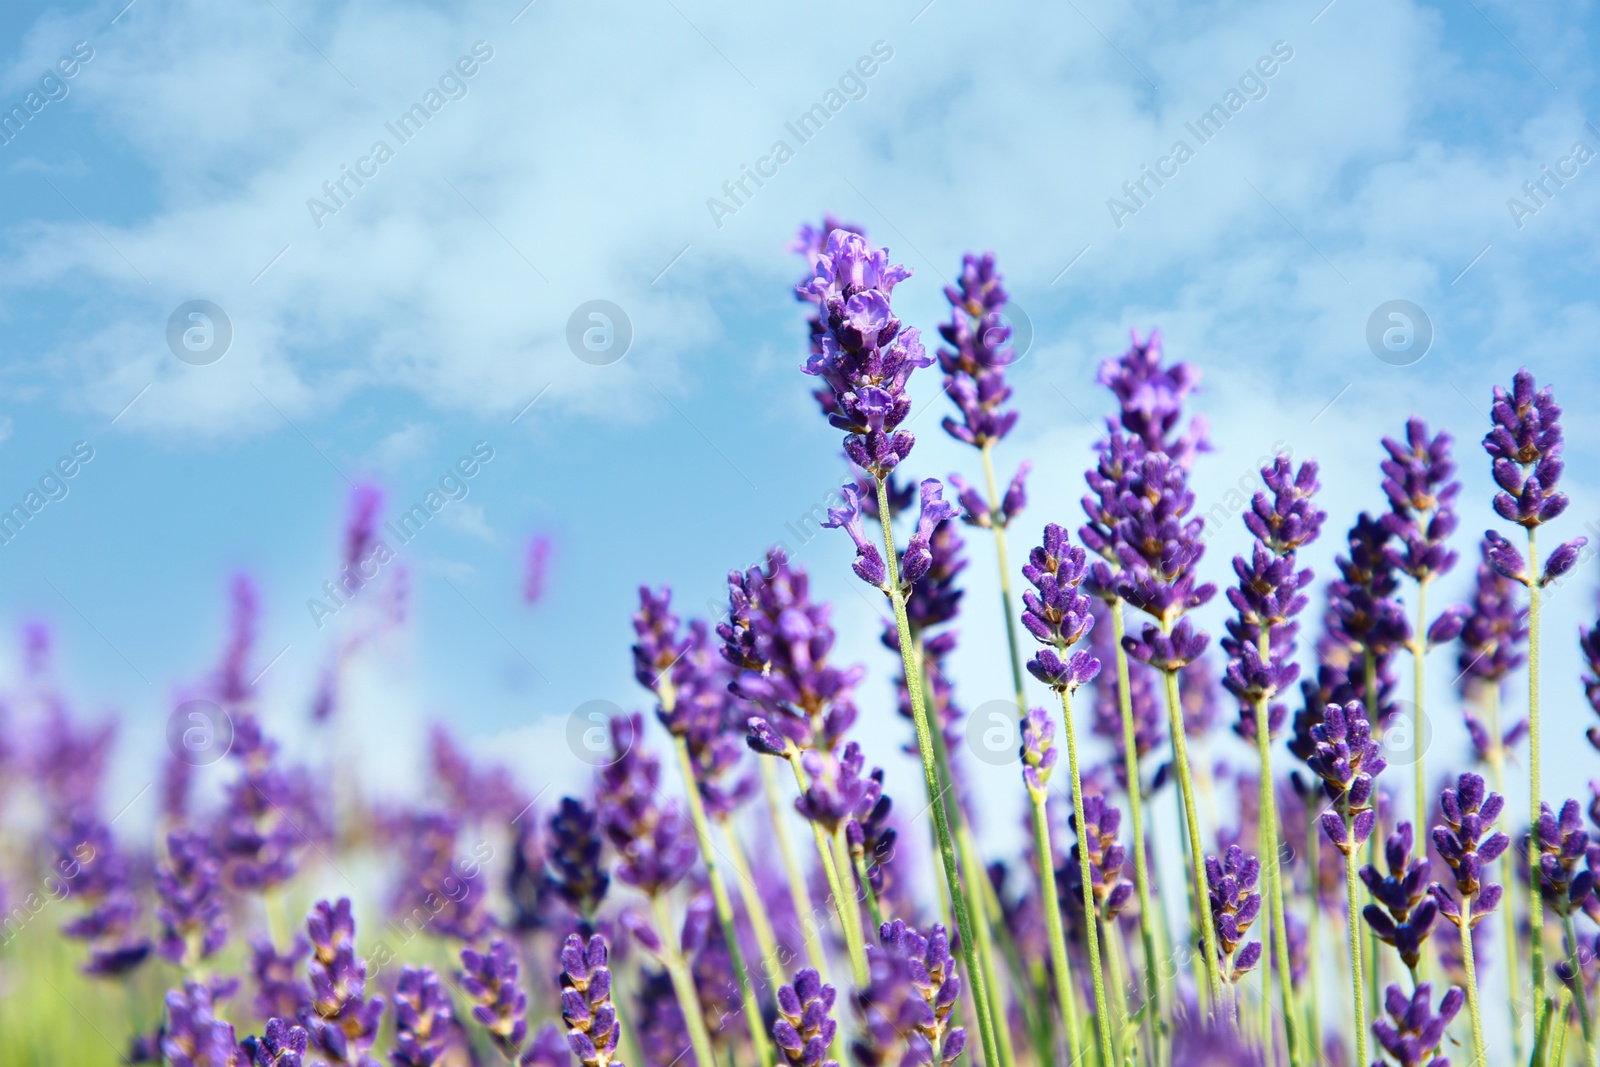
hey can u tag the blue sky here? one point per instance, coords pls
(381, 341)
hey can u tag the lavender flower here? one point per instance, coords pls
(194, 1036)
(1413, 1033)
(654, 843)
(1563, 843)
(586, 1005)
(1467, 844)
(1158, 544)
(1106, 858)
(974, 367)
(975, 510)
(1204, 1040)
(452, 893)
(193, 927)
(837, 791)
(422, 1018)
(872, 837)
(909, 1000)
(490, 979)
(1525, 446)
(1347, 760)
(547, 1049)
(1589, 645)
(1056, 613)
(1364, 614)
(1404, 913)
(804, 1028)
(1416, 479)
(1235, 904)
(811, 241)
(344, 1022)
(1151, 398)
(1039, 753)
(575, 870)
(102, 887)
(282, 1044)
(863, 356)
(280, 991)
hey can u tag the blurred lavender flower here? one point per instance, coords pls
(270, 815)
(490, 980)
(193, 927)
(863, 355)
(586, 1005)
(1563, 843)
(282, 1044)
(837, 790)
(1056, 613)
(804, 1028)
(102, 887)
(1106, 857)
(1414, 1032)
(1039, 753)
(479, 794)
(1467, 844)
(654, 843)
(537, 568)
(1235, 904)
(1364, 614)
(450, 894)
(909, 998)
(575, 869)
(233, 683)
(547, 1049)
(974, 366)
(1404, 913)
(1347, 760)
(422, 1019)
(1202, 1040)
(194, 1036)
(280, 991)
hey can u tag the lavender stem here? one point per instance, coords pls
(799, 893)
(1536, 793)
(1180, 757)
(1090, 917)
(1066, 989)
(1356, 980)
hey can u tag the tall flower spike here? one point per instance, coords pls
(837, 791)
(655, 844)
(974, 366)
(1347, 760)
(1422, 496)
(194, 1036)
(499, 1005)
(1469, 843)
(1525, 446)
(863, 355)
(1106, 858)
(575, 869)
(422, 1019)
(1414, 1032)
(1151, 397)
(586, 1005)
(1056, 613)
(343, 1022)
(1589, 646)
(281, 1044)
(1404, 913)
(1235, 904)
(908, 1004)
(189, 885)
(1495, 635)
(804, 1028)
(1563, 844)
(1039, 753)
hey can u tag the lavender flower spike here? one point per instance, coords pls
(975, 366)
(586, 1005)
(1469, 844)
(1039, 753)
(1347, 760)
(1404, 913)
(1056, 613)
(804, 1028)
(490, 979)
(1413, 1033)
(422, 1024)
(1235, 904)
(847, 517)
(281, 1044)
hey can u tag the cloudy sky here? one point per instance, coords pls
(388, 309)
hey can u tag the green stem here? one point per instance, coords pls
(1141, 867)
(760, 921)
(719, 895)
(874, 908)
(1066, 989)
(936, 795)
(1356, 981)
(1314, 933)
(1472, 980)
(1180, 757)
(1496, 760)
(849, 924)
(1086, 872)
(1005, 583)
(1419, 648)
(1536, 891)
(799, 893)
(1268, 818)
(846, 866)
(694, 1016)
(1582, 993)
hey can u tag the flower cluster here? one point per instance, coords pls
(343, 1022)
(586, 1005)
(1151, 398)
(1413, 1032)
(974, 366)
(490, 979)
(1563, 844)
(654, 843)
(1468, 843)
(193, 926)
(908, 1003)
(804, 1028)
(1347, 760)
(1404, 913)
(422, 1018)
(1106, 857)
(1235, 905)
(1057, 613)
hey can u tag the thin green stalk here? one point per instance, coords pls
(1090, 916)
(694, 1016)
(1419, 648)
(1375, 962)
(799, 893)
(1355, 946)
(1268, 818)
(1472, 979)
(1582, 993)
(719, 895)
(846, 866)
(1180, 756)
(841, 902)
(1559, 1056)
(1496, 759)
(754, 907)
(1536, 891)
(864, 876)
(1116, 983)
(1141, 868)
(1005, 583)
(1197, 959)
(1066, 989)
(941, 817)
(1314, 932)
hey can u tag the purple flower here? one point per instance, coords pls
(872, 838)
(586, 1005)
(575, 869)
(1106, 858)
(1347, 760)
(868, 565)
(779, 640)
(1157, 542)
(1467, 844)
(1563, 843)
(538, 567)
(102, 887)
(811, 241)
(658, 648)
(1364, 615)
(909, 999)
(1235, 904)
(1417, 481)
(1151, 398)
(1413, 1033)
(282, 1044)
(975, 509)
(804, 1028)
(863, 356)
(422, 1018)
(918, 557)
(655, 845)
(974, 367)
(280, 991)
(1056, 613)
(343, 1023)
(548, 1048)
(1589, 645)
(1404, 913)
(1039, 753)
(1525, 447)
(837, 790)
(449, 892)
(193, 927)
(490, 979)
(232, 684)
(1203, 1040)
(194, 1036)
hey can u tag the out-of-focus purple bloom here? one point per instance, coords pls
(837, 790)
(1039, 753)
(804, 1028)
(343, 1022)
(67, 765)
(102, 887)
(530, 890)
(449, 894)
(576, 872)
(1106, 858)
(1413, 1033)
(538, 568)
(233, 678)
(1404, 913)
(271, 815)
(1057, 613)
(1347, 760)
(1151, 399)
(490, 979)
(974, 367)
(280, 991)
(658, 647)
(862, 353)
(1364, 614)
(872, 838)
(193, 927)
(1468, 843)
(547, 1049)
(361, 524)
(917, 559)
(479, 794)
(655, 845)
(907, 1005)
(1563, 844)
(1525, 447)
(282, 1044)
(586, 1005)
(868, 565)
(1235, 904)
(194, 1036)
(778, 640)
(422, 1018)
(1202, 1040)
